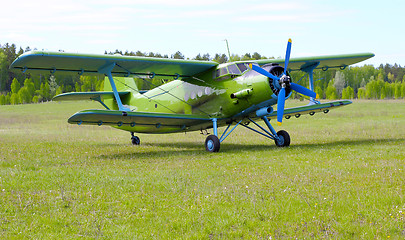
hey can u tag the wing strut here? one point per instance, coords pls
(310, 70)
(107, 71)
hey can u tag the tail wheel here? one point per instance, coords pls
(212, 143)
(135, 140)
(283, 139)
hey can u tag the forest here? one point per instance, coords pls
(365, 82)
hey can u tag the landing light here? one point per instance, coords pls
(243, 93)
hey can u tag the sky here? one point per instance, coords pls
(316, 27)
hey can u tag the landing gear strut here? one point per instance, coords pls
(135, 139)
(281, 138)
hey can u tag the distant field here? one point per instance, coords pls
(342, 177)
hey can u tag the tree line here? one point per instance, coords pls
(365, 82)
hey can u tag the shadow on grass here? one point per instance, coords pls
(184, 149)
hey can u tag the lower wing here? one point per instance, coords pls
(141, 121)
(310, 109)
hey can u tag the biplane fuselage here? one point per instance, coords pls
(221, 96)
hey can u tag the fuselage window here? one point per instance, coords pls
(221, 72)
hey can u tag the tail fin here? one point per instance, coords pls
(123, 84)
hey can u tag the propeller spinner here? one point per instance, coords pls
(285, 82)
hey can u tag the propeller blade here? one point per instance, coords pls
(287, 55)
(263, 72)
(303, 90)
(280, 106)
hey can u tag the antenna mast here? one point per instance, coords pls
(227, 46)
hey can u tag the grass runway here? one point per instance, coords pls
(342, 177)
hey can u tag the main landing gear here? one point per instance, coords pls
(281, 138)
(135, 139)
(212, 143)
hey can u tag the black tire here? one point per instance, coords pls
(284, 139)
(135, 140)
(212, 143)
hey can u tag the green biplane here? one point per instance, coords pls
(202, 94)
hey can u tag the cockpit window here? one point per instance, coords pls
(233, 69)
(242, 67)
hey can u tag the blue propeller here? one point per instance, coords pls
(280, 105)
(284, 82)
(303, 90)
(287, 55)
(263, 72)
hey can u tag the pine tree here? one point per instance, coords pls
(52, 86)
(403, 89)
(3, 71)
(47, 95)
(35, 99)
(256, 56)
(198, 57)
(178, 55)
(319, 91)
(8, 98)
(14, 99)
(24, 95)
(363, 83)
(339, 82)
(15, 86)
(361, 93)
(2, 99)
(77, 87)
(220, 58)
(331, 92)
(348, 93)
(30, 86)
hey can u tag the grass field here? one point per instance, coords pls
(342, 177)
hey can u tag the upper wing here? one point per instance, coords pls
(321, 62)
(124, 65)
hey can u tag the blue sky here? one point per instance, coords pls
(192, 27)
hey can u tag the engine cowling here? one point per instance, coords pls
(278, 71)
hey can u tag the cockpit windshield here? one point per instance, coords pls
(230, 71)
(233, 69)
(242, 67)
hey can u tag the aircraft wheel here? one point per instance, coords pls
(284, 139)
(135, 140)
(212, 143)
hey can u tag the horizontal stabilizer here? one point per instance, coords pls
(77, 96)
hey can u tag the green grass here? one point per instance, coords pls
(342, 177)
